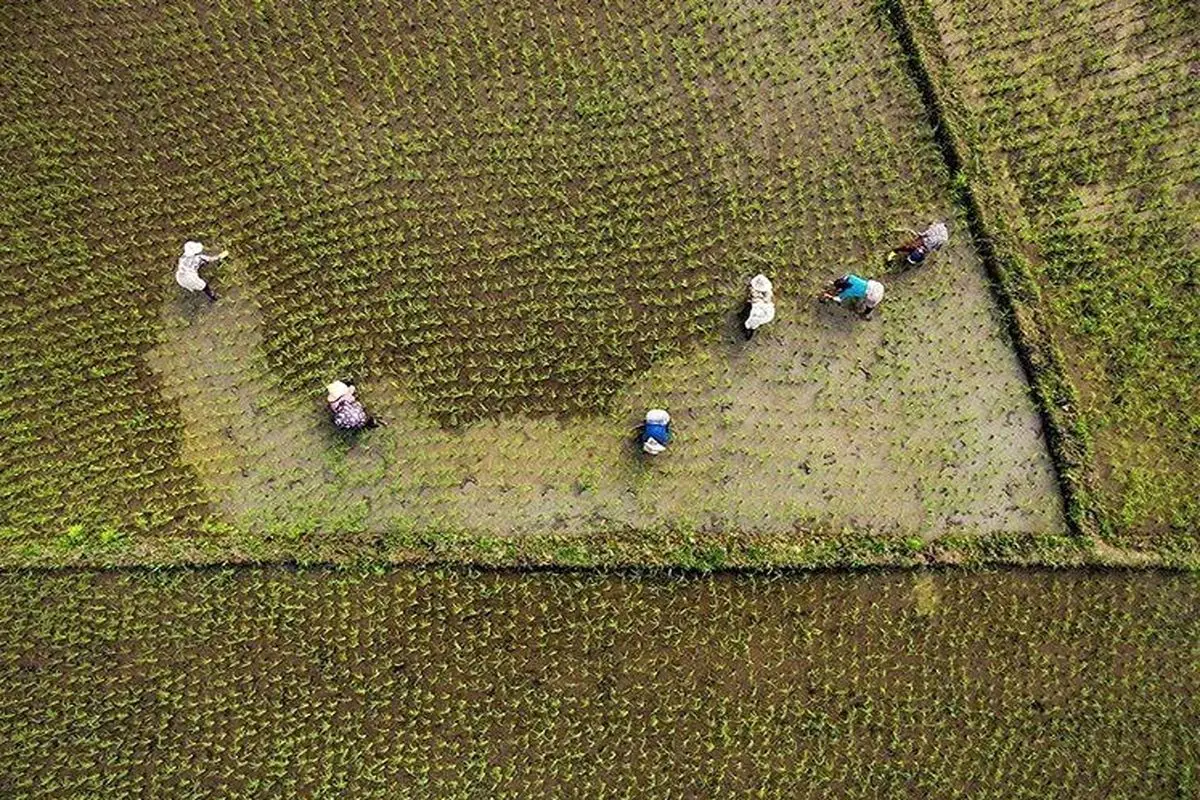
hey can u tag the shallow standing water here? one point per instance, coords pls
(458, 684)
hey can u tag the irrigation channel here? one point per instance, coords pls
(445, 683)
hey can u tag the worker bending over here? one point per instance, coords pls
(930, 240)
(348, 412)
(863, 294)
(656, 432)
(760, 308)
(187, 269)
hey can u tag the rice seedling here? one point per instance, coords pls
(468, 684)
(516, 225)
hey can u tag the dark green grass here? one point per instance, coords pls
(420, 684)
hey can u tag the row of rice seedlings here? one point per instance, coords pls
(506, 685)
(1092, 135)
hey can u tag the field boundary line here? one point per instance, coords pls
(976, 190)
(630, 571)
(673, 550)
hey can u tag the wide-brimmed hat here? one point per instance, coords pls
(337, 389)
(192, 248)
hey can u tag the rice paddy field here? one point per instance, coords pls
(1085, 116)
(248, 683)
(515, 226)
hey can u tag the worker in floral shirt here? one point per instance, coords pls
(930, 240)
(348, 411)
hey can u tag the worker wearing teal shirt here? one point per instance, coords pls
(851, 289)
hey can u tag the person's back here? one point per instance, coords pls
(935, 236)
(852, 288)
(348, 413)
(656, 431)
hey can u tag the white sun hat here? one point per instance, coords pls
(338, 389)
(762, 284)
(657, 416)
(874, 293)
(192, 248)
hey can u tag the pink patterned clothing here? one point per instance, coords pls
(348, 413)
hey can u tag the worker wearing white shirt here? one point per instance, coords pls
(761, 305)
(187, 272)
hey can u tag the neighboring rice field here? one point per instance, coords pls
(515, 226)
(421, 684)
(1088, 112)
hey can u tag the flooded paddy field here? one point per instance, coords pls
(253, 683)
(514, 227)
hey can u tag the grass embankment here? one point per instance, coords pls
(1070, 127)
(244, 683)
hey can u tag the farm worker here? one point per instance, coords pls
(656, 431)
(922, 244)
(348, 411)
(761, 306)
(187, 273)
(866, 294)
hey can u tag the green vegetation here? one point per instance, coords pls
(1078, 121)
(417, 684)
(514, 227)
